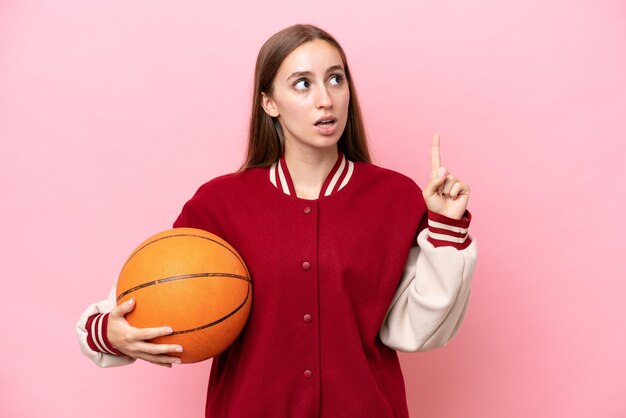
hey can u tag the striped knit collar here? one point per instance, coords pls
(337, 178)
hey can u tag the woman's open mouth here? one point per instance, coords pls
(326, 126)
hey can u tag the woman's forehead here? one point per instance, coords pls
(314, 56)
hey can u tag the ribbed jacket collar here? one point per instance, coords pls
(337, 178)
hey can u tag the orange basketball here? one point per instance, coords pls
(192, 281)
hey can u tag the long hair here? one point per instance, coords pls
(264, 133)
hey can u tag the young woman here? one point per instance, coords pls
(350, 261)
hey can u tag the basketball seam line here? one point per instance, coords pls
(218, 321)
(181, 277)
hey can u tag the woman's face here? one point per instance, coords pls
(310, 87)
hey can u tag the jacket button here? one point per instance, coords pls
(308, 374)
(306, 265)
(307, 209)
(307, 318)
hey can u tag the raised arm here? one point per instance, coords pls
(433, 295)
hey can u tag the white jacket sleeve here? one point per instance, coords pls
(102, 359)
(432, 297)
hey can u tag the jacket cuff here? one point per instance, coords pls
(449, 232)
(97, 335)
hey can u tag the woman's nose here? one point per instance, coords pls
(322, 98)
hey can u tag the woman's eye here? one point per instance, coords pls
(338, 78)
(301, 84)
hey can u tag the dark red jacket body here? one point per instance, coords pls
(324, 273)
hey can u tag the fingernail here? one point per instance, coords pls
(179, 349)
(169, 330)
(176, 361)
(130, 301)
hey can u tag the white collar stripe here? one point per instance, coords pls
(332, 183)
(273, 175)
(283, 180)
(348, 175)
(342, 176)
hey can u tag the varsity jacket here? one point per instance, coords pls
(340, 283)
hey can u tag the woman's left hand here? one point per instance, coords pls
(445, 194)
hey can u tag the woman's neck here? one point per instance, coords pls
(309, 168)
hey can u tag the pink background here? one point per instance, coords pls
(113, 113)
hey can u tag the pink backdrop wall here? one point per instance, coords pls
(113, 113)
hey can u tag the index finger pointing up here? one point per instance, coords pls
(435, 158)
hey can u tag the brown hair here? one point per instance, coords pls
(264, 144)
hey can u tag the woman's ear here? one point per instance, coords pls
(269, 106)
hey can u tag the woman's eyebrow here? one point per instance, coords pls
(309, 73)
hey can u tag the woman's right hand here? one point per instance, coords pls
(132, 341)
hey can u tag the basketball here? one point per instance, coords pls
(194, 282)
